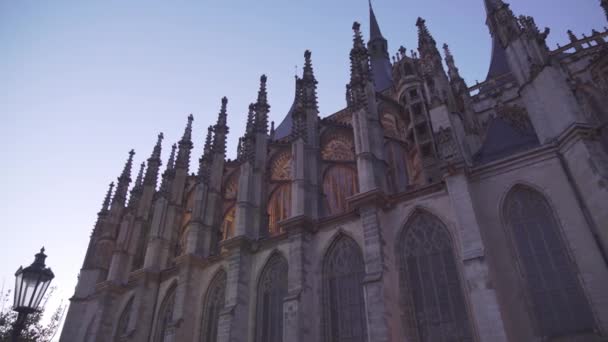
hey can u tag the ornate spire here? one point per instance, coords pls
(309, 84)
(359, 68)
(248, 140)
(221, 130)
(298, 114)
(604, 4)
(169, 172)
(262, 107)
(493, 5)
(572, 36)
(427, 47)
(185, 146)
(378, 50)
(205, 159)
(138, 187)
(449, 60)
(105, 206)
(154, 163)
(122, 186)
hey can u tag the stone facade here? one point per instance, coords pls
(426, 210)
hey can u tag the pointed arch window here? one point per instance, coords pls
(343, 303)
(272, 289)
(123, 321)
(397, 162)
(555, 295)
(339, 183)
(215, 300)
(164, 324)
(432, 299)
(279, 207)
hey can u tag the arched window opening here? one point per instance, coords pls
(228, 225)
(554, 292)
(397, 163)
(279, 208)
(272, 289)
(123, 321)
(339, 183)
(343, 302)
(164, 324)
(215, 301)
(432, 302)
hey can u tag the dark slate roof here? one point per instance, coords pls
(284, 128)
(382, 73)
(499, 64)
(502, 140)
(374, 28)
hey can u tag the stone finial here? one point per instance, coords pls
(272, 130)
(154, 163)
(221, 129)
(105, 206)
(262, 107)
(124, 180)
(185, 146)
(309, 84)
(138, 187)
(204, 165)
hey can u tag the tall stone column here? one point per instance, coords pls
(483, 299)
(234, 319)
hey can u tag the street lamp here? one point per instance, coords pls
(30, 285)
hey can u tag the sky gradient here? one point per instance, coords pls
(83, 82)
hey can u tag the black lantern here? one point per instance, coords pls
(31, 284)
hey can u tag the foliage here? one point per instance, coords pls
(37, 327)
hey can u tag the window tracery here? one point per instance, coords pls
(281, 167)
(279, 207)
(215, 300)
(557, 300)
(343, 302)
(432, 299)
(123, 321)
(272, 289)
(164, 325)
(338, 147)
(339, 183)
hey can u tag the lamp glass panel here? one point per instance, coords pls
(18, 282)
(40, 293)
(29, 291)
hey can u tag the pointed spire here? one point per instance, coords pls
(427, 47)
(572, 36)
(221, 129)
(449, 60)
(309, 84)
(185, 146)
(248, 140)
(272, 130)
(138, 187)
(105, 206)
(205, 160)
(169, 172)
(604, 4)
(262, 107)
(154, 163)
(298, 114)
(493, 5)
(374, 28)
(122, 186)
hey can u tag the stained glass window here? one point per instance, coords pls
(214, 303)
(432, 299)
(343, 303)
(272, 289)
(554, 292)
(279, 207)
(164, 325)
(123, 321)
(339, 183)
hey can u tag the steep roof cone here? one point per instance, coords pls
(379, 58)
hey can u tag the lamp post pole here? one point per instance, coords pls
(31, 284)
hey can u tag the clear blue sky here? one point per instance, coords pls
(83, 82)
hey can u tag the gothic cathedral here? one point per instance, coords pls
(426, 210)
